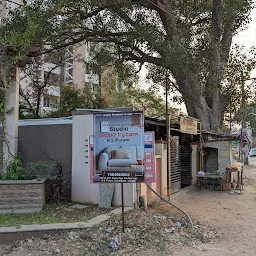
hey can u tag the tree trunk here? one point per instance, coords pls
(38, 102)
(210, 117)
(209, 110)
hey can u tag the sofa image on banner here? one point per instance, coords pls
(118, 147)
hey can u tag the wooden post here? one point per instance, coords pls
(167, 117)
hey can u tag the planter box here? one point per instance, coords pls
(22, 196)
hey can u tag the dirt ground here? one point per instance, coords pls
(232, 215)
(225, 225)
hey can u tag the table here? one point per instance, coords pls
(239, 184)
(209, 178)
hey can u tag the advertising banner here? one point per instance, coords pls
(149, 158)
(188, 126)
(118, 147)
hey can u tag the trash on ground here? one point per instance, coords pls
(79, 206)
(108, 230)
(57, 251)
(235, 193)
(163, 217)
(115, 243)
(170, 230)
(178, 224)
(155, 228)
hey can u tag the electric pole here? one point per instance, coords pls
(168, 137)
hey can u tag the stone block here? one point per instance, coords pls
(106, 195)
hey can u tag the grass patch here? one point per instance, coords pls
(52, 213)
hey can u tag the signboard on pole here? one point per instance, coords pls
(149, 158)
(118, 147)
(247, 135)
(188, 125)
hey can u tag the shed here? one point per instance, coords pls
(217, 151)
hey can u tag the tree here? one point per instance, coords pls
(35, 85)
(151, 104)
(238, 73)
(70, 99)
(248, 113)
(113, 74)
(189, 39)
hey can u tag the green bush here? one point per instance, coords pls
(14, 170)
(41, 170)
(38, 170)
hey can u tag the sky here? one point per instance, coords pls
(246, 37)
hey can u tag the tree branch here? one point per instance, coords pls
(48, 75)
(216, 19)
(89, 35)
(25, 97)
(168, 19)
(12, 2)
(85, 16)
(201, 21)
(226, 41)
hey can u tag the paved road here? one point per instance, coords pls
(252, 160)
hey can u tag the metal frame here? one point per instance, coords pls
(168, 129)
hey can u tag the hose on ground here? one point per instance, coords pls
(176, 207)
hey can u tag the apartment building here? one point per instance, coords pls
(40, 81)
(44, 77)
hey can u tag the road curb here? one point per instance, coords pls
(10, 234)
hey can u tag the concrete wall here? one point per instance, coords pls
(1, 152)
(224, 152)
(79, 66)
(149, 196)
(82, 190)
(195, 162)
(48, 136)
(56, 137)
(10, 144)
(161, 150)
